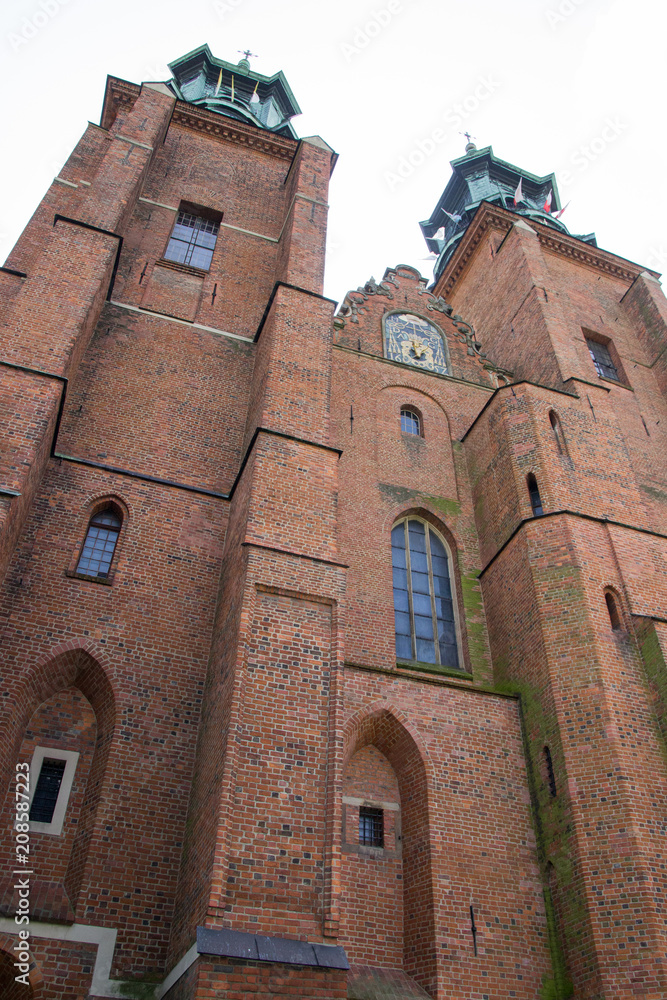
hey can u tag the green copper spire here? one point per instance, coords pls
(480, 176)
(235, 90)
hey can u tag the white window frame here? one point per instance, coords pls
(71, 757)
(453, 583)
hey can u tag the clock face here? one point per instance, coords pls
(413, 341)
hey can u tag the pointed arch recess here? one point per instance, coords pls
(81, 664)
(386, 727)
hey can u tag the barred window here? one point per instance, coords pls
(52, 777)
(410, 422)
(371, 827)
(423, 595)
(47, 790)
(100, 544)
(192, 240)
(602, 359)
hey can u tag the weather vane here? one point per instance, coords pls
(246, 53)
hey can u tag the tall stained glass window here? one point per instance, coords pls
(423, 596)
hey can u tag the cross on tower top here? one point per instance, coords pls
(246, 53)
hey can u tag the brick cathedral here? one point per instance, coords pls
(333, 639)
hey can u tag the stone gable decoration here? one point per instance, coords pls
(414, 341)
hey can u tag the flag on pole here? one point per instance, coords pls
(219, 82)
(547, 205)
(232, 86)
(518, 194)
(558, 214)
(255, 97)
(440, 234)
(454, 218)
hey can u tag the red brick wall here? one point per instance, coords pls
(466, 828)
(236, 979)
(151, 630)
(192, 418)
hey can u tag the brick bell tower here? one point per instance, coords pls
(568, 472)
(333, 645)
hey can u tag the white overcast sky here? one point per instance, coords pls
(571, 86)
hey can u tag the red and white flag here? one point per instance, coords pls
(547, 205)
(558, 214)
(518, 194)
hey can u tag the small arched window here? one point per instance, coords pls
(534, 494)
(556, 427)
(100, 543)
(410, 421)
(614, 612)
(423, 595)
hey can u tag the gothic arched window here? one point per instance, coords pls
(613, 611)
(423, 595)
(100, 544)
(561, 443)
(534, 494)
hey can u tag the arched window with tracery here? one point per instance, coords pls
(100, 543)
(424, 597)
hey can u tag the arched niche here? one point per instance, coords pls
(9, 988)
(386, 734)
(66, 702)
(371, 861)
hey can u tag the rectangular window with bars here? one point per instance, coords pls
(51, 776)
(371, 827)
(193, 240)
(47, 790)
(602, 359)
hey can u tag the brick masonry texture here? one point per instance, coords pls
(232, 686)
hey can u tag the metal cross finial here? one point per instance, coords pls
(247, 54)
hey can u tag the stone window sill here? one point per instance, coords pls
(199, 272)
(434, 668)
(615, 381)
(106, 581)
(370, 852)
